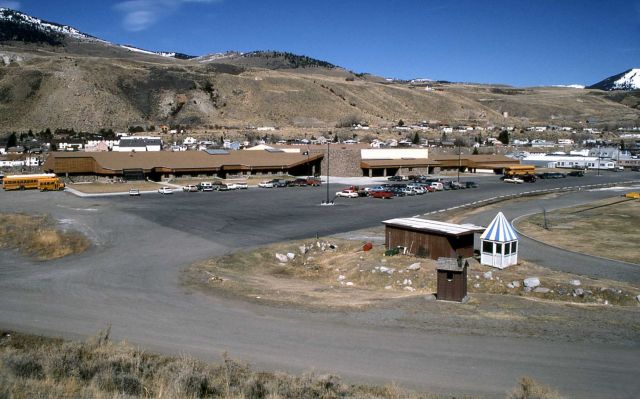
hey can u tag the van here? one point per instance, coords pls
(438, 186)
(206, 186)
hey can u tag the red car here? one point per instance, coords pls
(381, 194)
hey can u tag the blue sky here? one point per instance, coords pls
(523, 43)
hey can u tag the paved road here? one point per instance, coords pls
(130, 279)
(546, 255)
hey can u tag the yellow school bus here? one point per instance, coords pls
(519, 170)
(42, 182)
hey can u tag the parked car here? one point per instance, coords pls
(382, 194)
(266, 184)
(223, 187)
(417, 188)
(205, 186)
(312, 181)
(514, 180)
(456, 185)
(395, 178)
(298, 182)
(280, 182)
(241, 186)
(635, 168)
(527, 178)
(347, 194)
(165, 190)
(576, 173)
(618, 169)
(438, 186)
(471, 184)
(134, 192)
(190, 188)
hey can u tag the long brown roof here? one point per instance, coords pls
(399, 163)
(188, 160)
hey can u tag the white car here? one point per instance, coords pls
(190, 188)
(347, 194)
(266, 184)
(514, 180)
(165, 190)
(241, 186)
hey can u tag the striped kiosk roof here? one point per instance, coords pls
(499, 230)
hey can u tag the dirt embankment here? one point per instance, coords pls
(39, 237)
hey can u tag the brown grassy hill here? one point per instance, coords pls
(89, 85)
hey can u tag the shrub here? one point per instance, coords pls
(24, 365)
(528, 388)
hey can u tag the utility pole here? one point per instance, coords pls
(459, 163)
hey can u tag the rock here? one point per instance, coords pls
(578, 292)
(531, 282)
(477, 277)
(387, 287)
(341, 278)
(282, 258)
(476, 285)
(515, 283)
(291, 255)
(303, 249)
(411, 289)
(349, 284)
(487, 275)
(542, 290)
(430, 298)
(383, 261)
(638, 298)
(527, 289)
(406, 282)
(575, 282)
(310, 258)
(606, 302)
(510, 285)
(332, 246)
(414, 266)
(388, 270)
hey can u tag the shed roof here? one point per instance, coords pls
(451, 264)
(434, 226)
(499, 230)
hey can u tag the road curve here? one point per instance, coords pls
(131, 280)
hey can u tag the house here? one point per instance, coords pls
(139, 144)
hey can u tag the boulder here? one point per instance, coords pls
(303, 249)
(414, 266)
(510, 285)
(291, 255)
(575, 282)
(578, 292)
(531, 282)
(411, 289)
(476, 285)
(542, 290)
(387, 287)
(406, 282)
(487, 275)
(515, 283)
(349, 284)
(341, 278)
(638, 298)
(388, 270)
(282, 258)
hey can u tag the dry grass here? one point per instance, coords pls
(98, 188)
(342, 276)
(38, 237)
(347, 277)
(530, 389)
(36, 367)
(607, 228)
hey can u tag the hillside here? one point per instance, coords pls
(52, 76)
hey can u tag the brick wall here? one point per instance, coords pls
(345, 161)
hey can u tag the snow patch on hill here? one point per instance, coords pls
(628, 81)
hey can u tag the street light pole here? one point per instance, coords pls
(328, 161)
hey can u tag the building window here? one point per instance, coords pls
(487, 247)
(498, 248)
(449, 276)
(514, 247)
(507, 248)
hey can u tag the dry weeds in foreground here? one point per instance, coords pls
(32, 366)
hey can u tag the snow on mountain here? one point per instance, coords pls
(571, 86)
(628, 80)
(7, 14)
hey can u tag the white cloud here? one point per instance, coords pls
(139, 15)
(10, 4)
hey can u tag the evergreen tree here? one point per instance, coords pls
(504, 137)
(416, 138)
(13, 140)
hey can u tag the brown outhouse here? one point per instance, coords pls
(452, 279)
(431, 238)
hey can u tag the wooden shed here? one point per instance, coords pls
(431, 238)
(452, 279)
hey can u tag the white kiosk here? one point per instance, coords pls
(499, 244)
